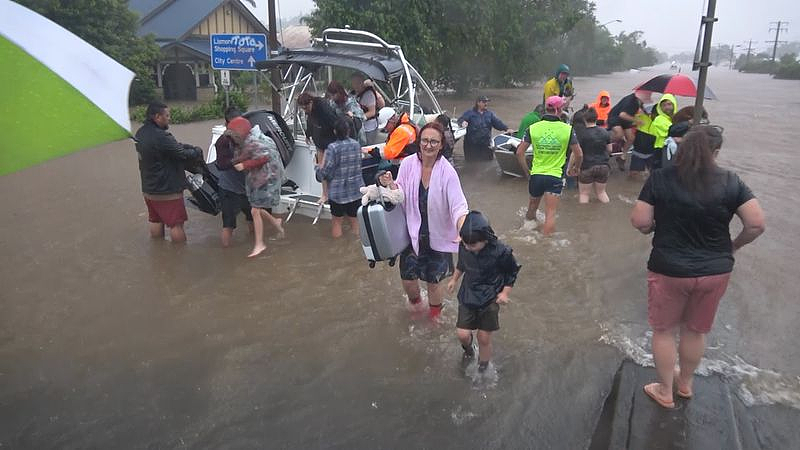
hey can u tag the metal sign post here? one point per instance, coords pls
(225, 80)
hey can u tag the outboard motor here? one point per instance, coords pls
(273, 125)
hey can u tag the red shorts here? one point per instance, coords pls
(168, 212)
(691, 301)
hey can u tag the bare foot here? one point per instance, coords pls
(281, 234)
(257, 251)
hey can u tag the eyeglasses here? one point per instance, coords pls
(429, 142)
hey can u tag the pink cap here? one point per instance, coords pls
(240, 126)
(554, 101)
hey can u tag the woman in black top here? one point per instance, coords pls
(690, 206)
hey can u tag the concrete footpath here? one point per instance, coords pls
(713, 419)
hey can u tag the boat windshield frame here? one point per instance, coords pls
(302, 70)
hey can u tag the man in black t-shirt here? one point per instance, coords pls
(622, 121)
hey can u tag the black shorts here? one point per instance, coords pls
(639, 164)
(539, 184)
(230, 204)
(617, 122)
(430, 266)
(485, 319)
(342, 209)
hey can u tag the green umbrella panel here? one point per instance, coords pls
(59, 94)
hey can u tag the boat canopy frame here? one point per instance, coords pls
(356, 50)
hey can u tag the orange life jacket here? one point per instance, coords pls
(602, 111)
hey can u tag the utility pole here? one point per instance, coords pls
(275, 74)
(778, 28)
(730, 63)
(707, 22)
(749, 49)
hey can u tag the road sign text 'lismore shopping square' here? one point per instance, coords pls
(237, 51)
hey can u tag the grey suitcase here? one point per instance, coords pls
(383, 232)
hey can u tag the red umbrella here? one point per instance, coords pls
(675, 84)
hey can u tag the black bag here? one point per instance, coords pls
(205, 196)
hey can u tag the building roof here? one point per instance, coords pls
(174, 19)
(143, 7)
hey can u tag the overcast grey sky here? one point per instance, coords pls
(669, 25)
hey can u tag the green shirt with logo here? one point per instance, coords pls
(550, 140)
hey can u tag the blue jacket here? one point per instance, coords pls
(479, 126)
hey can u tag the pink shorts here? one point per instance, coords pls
(691, 301)
(168, 212)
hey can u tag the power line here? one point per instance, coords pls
(778, 27)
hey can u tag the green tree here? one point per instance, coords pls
(788, 67)
(111, 27)
(492, 42)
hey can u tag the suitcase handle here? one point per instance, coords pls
(386, 207)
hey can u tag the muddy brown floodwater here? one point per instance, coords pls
(111, 340)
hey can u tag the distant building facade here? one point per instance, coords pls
(182, 28)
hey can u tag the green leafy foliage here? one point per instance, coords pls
(111, 27)
(492, 42)
(787, 67)
(207, 111)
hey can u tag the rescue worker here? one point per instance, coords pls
(479, 122)
(401, 141)
(550, 138)
(560, 85)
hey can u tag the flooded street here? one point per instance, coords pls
(111, 340)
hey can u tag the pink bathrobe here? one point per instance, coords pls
(446, 203)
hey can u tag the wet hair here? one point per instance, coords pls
(439, 129)
(695, 159)
(577, 118)
(155, 108)
(232, 113)
(686, 114)
(590, 115)
(472, 236)
(343, 128)
(336, 89)
(305, 98)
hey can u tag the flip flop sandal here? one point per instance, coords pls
(678, 391)
(683, 394)
(649, 389)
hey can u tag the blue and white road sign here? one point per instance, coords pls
(238, 51)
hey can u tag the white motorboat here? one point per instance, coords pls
(505, 153)
(335, 55)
